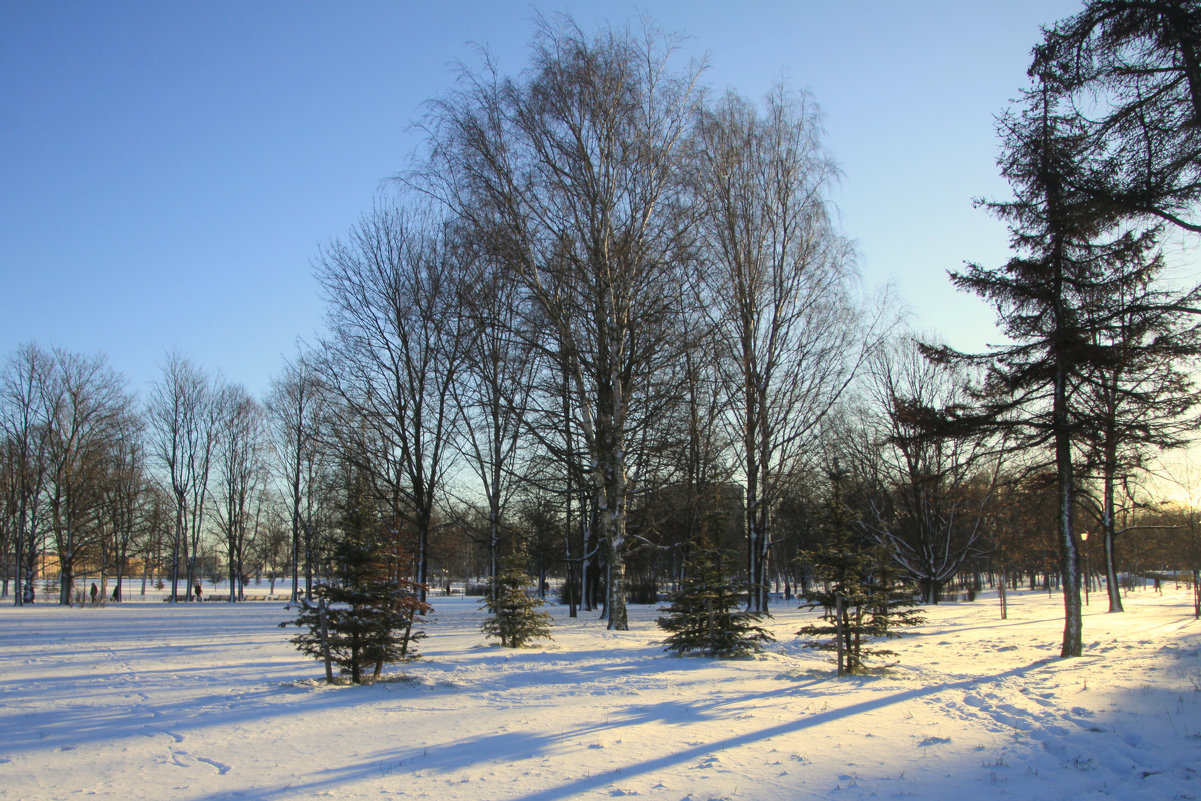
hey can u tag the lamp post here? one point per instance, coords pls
(1084, 541)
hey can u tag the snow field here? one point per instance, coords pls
(156, 701)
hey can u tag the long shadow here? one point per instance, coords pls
(459, 754)
(136, 711)
(121, 704)
(132, 709)
(646, 766)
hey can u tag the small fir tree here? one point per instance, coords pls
(704, 616)
(366, 615)
(515, 616)
(859, 588)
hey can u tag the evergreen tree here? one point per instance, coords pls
(1128, 72)
(1073, 302)
(515, 616)
(364, 617)
(859, 586)
(705, 615)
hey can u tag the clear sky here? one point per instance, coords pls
(168, 170)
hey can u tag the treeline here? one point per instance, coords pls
(607, 317)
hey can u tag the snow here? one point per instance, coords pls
(157, 701)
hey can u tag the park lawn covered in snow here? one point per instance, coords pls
(156, 701)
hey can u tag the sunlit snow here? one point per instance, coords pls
(152, 701)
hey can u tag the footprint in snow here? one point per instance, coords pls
(180, 758)
(220, 767)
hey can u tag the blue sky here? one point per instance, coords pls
(168, 170)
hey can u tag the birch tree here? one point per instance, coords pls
(783, 278)
(569, 174)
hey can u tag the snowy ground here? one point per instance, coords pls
(150, 701)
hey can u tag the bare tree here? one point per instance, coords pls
(296, 409)
(122, 491)
(700, 452)
(83, 399)
(926, 495)
(569, 176)
(241, 473)
(155, 528)
(394, 352)
(1140, 402)
(26, 433)
(493, 392)
(783, 279)
(182, 417)
(272, 549)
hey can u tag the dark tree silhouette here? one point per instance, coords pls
(1128, 72)
(1056, 300)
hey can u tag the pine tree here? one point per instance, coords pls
(1080, 275)
(515, 616)
(859, 588)
(365, 617)
(704, 616)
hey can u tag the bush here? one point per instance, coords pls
(643, 591)
(568, 589)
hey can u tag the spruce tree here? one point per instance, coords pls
(705, 615)
(366, 615)
(858, 587)
(515, 616)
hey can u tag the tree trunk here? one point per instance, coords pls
(1001, 595)
(329, 664)
(841, 629)
(1197, 593)
(1112, 586)
(1069, 554)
